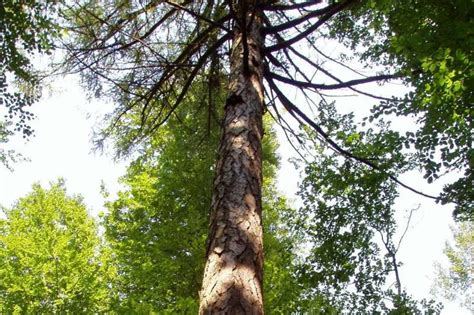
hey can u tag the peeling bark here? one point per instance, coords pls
(232, 282)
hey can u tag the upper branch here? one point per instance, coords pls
(296, 22)
(199, 65)
(285, 7)
(330, 75)
(185, 55)
(347, 84)
(198, 16)
(334, 9)
(300, 115)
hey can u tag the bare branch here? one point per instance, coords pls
(406, 227)
(285, 126)
(334, 10)
(327, 73)
(198, 16)
(297, 21)
(185, 55)
(334, 60)
(202, 60)
(318, 67)
(283, 7)
(296, 112)
(347, 84)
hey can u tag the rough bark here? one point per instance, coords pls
(232, 282)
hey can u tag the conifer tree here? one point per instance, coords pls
(147, 56)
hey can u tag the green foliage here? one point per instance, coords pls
(455, 282)
(28, 28)
(347, 220)
(157, 228)
(50, 256)
(281, 286)
(429, 43)
(348, 208)
(7, 157)
(345, 207)
(404, 304)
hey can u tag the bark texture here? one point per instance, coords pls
(232, 282)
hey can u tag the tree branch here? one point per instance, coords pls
(297, 21)
(198, 16)
(283, 7)
(185, 55)
(302, 84)
(296, 112)
(327, 73)
(202, 60)
(334, 10)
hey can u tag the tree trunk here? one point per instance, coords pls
(232, 282)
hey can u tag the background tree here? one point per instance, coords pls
(148, 56)
(50, 256)
(348, 225)
(158, 225)
(430, 46)
(455, 282)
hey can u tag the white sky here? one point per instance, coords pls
(62, 148)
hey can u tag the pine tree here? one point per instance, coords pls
(146, 56)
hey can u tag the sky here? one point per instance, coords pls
(62, 148)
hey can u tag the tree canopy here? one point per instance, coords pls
(50, 256)
(122, 54)
(28, 28)
(430, 45)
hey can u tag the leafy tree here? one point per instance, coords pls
(455, 282)
(348, 221)
(50, 256)
(157, 226)
(28, 28)
(429, 43)
(148, 56)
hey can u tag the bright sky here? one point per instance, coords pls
(62, 148)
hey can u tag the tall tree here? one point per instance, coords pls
(168, 194)
(147, 55)
(50, 256)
